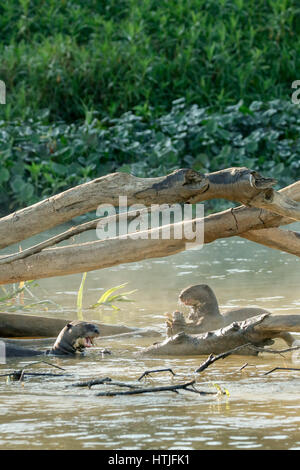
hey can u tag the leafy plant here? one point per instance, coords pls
(79, 298)
(14, 299)
(108, 298)
(38, 160)
(78, 58)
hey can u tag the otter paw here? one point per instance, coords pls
(175, 324)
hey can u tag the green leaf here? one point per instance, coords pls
(107, 298)
(106, 294)
(79, 297)
(4, 175)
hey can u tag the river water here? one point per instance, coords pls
(258, 412)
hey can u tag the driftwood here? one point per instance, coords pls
(259, 331)
(235, 184)
(211, 358)
(71, 232)
(14, 325)
(284, 240)
(188, 386)
(281, 368)
(183, 185)
(105, 253)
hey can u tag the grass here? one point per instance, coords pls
(20, 297)
(77, 58)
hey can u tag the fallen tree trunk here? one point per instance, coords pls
(71, 232)
(258, 331)
(126, 249)
(284, 240)
(278, 203)
(235, 184)
(14, 325)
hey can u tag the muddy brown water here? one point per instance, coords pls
(261, 412)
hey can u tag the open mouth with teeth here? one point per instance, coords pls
(84, 342)
(188, 301)
(88, 342)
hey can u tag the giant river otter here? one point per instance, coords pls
(205, 314)
(74, 337)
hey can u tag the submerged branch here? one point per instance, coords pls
(280, 368)
(149, 372)
(170, 388)
(211, 359)
(90, 383)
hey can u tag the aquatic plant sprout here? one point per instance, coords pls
(108, 298)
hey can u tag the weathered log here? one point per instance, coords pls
(283, 240)
(71, 232)
(184, 185)
(258, 331)
(176, 187)
(13, 325)
(278, 203)
(86, 257)
(126, 249)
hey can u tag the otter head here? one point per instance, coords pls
(201, 299)
(75, 336)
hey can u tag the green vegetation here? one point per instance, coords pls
(38, 160)
(95, 87)
(106, 299)
(73, 57)
(18, 297)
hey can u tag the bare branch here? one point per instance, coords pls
(184, 185)
(149, 372)
(137, 391)
(280, 368)
(211, 358)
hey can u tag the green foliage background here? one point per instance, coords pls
(146, 87)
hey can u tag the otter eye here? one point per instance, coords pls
(69, 325)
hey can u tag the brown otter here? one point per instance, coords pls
(205, 314)
(74, 337)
